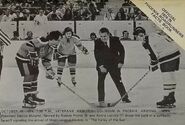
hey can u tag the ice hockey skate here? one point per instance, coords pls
(59, 81)
(28, 102)
(126, 99)
(73, 81)
(167, 102)
(37, 100)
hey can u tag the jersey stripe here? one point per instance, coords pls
(5, 39)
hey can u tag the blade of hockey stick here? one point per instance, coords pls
(83, 99)
(116, 102)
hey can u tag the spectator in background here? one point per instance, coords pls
(109, 15)
(140, 16)
(29, 35)
(68, 13)
(40, 18)
(17, 16)
(82, 13)
(27, 16)
(54, 15)
(93, 9)
(85, 13)
(93, 36)
(76, 12)
(12, 6)
(7, 17)
(126, 9)
(15, 35)
(125, 35)
(120, 16)
(62, 9)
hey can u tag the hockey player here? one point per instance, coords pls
(4, 40)
(66, 50)
(163, 52)
(28, 59)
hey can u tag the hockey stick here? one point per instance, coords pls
(78, 53)
(62, 56)
(83, 99)
(115, 103)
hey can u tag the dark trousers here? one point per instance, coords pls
(115, 74)
(1, 64)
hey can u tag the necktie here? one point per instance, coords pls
(105, 43)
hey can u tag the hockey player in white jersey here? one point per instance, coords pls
(163, 52)
(4, 40)
(28, 61)
(66, 51)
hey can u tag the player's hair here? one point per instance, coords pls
(139, 30)
(54, 35)
(125, 31)
(67, 29)
(104, 30)
(43, 39)
(93, 34)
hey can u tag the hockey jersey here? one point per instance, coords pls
(164, 47)
(67, 46)
(1, 48)
(45, 52)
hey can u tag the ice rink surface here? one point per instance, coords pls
(143, 96)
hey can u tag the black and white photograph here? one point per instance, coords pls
(70, 62)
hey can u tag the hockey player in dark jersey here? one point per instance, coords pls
(66, 50)
(28, 59)
(163, 52)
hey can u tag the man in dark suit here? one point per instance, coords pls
(109, 55)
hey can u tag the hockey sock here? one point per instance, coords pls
(60, 70)
(168, 88)
(27, 88)
(34, 85)
(169, 84)
(72, 72)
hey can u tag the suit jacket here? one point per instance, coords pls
(109, 56)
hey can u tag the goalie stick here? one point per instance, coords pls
(116, 102)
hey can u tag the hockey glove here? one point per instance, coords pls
(85, 51)
(50, 74)
(153, 65)
(55, 54)
(34, 59)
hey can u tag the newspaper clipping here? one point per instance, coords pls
(86, 62)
